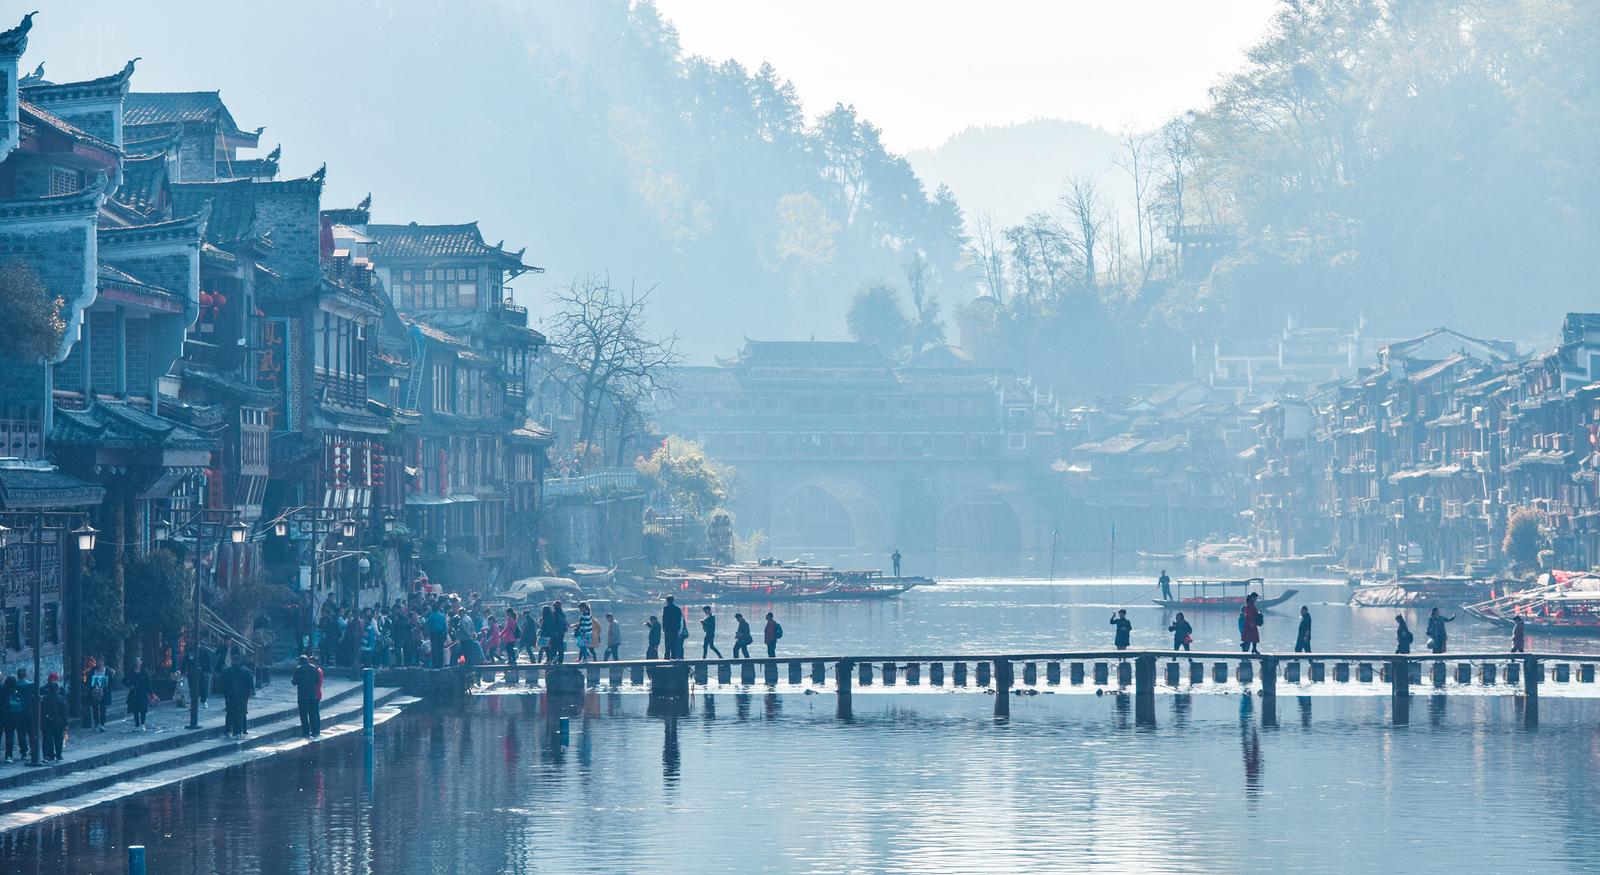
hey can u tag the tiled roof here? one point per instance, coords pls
(233, 206)
(143, 179)
(40, 91)
(176, 107)
(120, 424)
(36, 117)
(248, 168)
(108, 274)
(28, 486)
(788, 353)
(440, 241)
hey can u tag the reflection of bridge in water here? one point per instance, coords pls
(1139, 673)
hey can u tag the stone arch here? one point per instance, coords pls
(825, 515)
(982, 520)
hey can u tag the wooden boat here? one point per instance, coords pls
(1221, 595)
(1153, 556)
(1421, 589)
(1565, 603)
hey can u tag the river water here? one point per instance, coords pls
(913, 782)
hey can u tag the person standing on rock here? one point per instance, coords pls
(1250, 622)
(1124, 629)
(672, 628)
(1302, 640)
(1182, 633)
(652, 647)
(1437, 634)
(613, 651)
(307, 681)
(771, 634)
(708, 626)
(238, 685)
(138, 682)
(558, 634)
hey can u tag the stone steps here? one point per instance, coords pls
(33, 787)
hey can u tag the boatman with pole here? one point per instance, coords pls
(1166, 586)
(896, 560)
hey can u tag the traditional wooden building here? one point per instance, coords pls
(479, 459)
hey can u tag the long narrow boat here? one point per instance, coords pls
(1221, 595)
(1565, 603)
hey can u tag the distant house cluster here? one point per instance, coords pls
(1415, 464)
(232, 344)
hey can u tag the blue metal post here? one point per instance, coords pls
(136, 860)
(368, 679)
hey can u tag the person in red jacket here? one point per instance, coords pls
(1250, 625)
(771, 635)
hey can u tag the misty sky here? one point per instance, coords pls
(959, 62)
(437, 109)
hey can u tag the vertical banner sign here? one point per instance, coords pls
(270, 368)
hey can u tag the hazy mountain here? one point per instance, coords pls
(1011, 171)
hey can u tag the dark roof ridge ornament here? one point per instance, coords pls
(14, 42)
(276, 153)
(366, 202)
(320, 175)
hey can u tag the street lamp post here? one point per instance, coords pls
(85, 535)
(204, 522)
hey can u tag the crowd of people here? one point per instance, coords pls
(445, 629)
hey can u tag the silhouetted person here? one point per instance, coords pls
(1402, 635)
(1302, 639)
(1437, 634)
(672, 630)
(53, 717)
(895, 558)
(652, 649)
(558, 634)
(1519, 644)
(307, 680)
(1166, 586)
(742, 639)
(1182, 633)
(1124, 629)
(708, 626)
(238, 685)
(1250, 622)
(13, 717)
(771, 635)
(139, 684)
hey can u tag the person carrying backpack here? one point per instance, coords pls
(771, 634)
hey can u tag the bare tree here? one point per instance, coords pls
(601, 330)
(1086, 223)
(1136, 161)
(1177, 148)
(987, 250)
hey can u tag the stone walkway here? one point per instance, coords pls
(86, 749)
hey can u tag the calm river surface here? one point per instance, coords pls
(914, 782)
